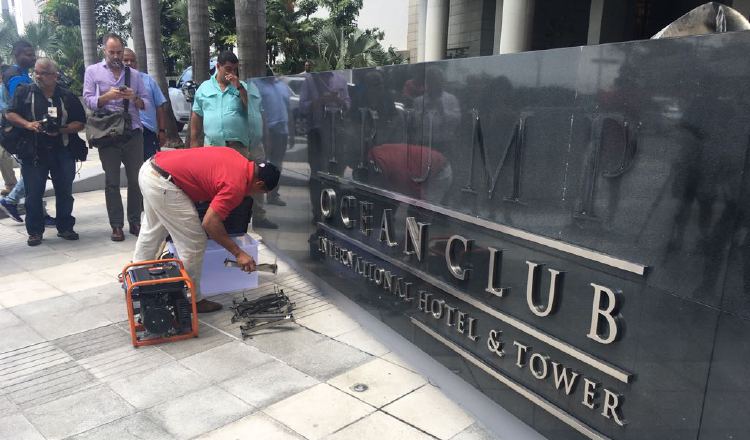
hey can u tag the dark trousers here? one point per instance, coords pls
(60, 165)
(129, 154)
(276, 150)
(150, 143)
(256, 154)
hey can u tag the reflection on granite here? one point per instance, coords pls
(636, 151)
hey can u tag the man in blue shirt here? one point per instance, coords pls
(275, 95)
(153, 115)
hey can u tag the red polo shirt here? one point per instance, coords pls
(400, 164)
(218, 174)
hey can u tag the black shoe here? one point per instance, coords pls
(264, 223)
(206, 306)
(68, 235)
(135, 229)
(117, 234)
(34, 240)
(276, 201)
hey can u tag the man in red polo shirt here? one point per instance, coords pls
(174, 181)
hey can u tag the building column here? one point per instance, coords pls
(595, 22)
(498, 26)
(421, 28)
(517, 25)
(436, 30)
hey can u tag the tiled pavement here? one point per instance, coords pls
(67, 369)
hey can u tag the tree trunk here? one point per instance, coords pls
(251, 37)
(260, 48)
(155, 60)
(244, 14)
(198, 29)
(88, 31)
(136, 29)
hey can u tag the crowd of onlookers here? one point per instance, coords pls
(43, 123)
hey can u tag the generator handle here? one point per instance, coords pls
(148, 262)
(184, 275)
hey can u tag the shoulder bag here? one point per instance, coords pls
(106, 128)
(77, 147)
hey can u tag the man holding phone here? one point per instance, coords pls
(105, 86)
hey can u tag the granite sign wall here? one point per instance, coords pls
(565, 229)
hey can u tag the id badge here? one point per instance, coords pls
(52, 112)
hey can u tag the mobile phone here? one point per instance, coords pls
(123, 88)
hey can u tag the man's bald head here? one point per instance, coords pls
(129, 58)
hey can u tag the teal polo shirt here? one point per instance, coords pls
(224, 118)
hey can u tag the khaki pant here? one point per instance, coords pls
(6, 168)
(168, 210)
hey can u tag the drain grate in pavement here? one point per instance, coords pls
(17, 365)
(39, 374)
(208, 339)
(124, 361)
(89, 343)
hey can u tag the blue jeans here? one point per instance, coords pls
(18, 192)
(61, 166)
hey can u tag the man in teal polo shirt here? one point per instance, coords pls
(227, 112)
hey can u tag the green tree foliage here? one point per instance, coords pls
(290, 32)
(58, 34)
(175, 38)
(61, 13)
(42, 36)
(343, 13)
(340, 51)
(68, 53)
(222, 26)
(8, 34)
(293, 36)
(107, 12)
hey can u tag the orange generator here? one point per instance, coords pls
(160, 302)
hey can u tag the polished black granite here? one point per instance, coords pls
(635, 151)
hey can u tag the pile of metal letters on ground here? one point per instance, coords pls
(263, 312)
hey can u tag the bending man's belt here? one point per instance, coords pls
(163, 173)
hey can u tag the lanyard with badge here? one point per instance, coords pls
(51, 109)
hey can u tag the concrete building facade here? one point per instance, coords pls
(465, 28)
(23, 11)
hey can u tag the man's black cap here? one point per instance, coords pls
(269, 174)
